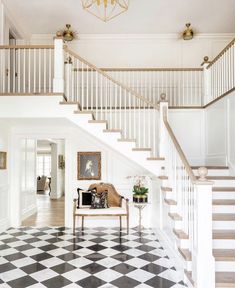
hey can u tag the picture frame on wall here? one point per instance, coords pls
(89, 166)
(3, 160)
(61, 162)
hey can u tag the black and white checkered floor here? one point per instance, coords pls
(102, 257)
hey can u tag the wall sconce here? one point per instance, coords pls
(188, 33)
(67, 33)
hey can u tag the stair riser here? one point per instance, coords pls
(224, 225)
(223, 195)
(223, 209)
(223, 244)
(225, 266)
(171, 208)
(175, 224)
(223, 183)
(182, 243)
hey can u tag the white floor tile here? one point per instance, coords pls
(76, 275)
(12, 275)
(108, 275)
(140, 275)
(43, 275)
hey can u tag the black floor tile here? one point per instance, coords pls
(159, 282)
(6, 267)
(93, 268)
(91, 282)
(22, 282)
(56, 282)
(153, 268)
(32, 268)
(123, 268)
(68, 256)
(95, 257)
(41, 256)
(63, 268)
(15, 256)
(125, 282)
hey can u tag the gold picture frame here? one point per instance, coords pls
(89, 166)
(3, 160)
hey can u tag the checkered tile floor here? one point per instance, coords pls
(102, 257)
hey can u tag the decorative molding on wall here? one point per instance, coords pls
(170, 36)
(29, 211)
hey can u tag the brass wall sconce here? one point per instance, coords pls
(67, 33)
(188, 33)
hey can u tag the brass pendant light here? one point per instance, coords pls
(105, 9)
(188, 33)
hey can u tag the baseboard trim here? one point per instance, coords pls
(29, 212)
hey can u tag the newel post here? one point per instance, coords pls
(207, 81)
(204, 264)
(58, 80)
(163, 112)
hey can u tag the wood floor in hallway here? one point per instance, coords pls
(50, 212)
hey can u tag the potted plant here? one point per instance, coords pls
(140, 191)
(140, 194)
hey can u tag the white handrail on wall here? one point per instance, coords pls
(26, 69)
(193, 201)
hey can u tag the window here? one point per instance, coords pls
(44, 165)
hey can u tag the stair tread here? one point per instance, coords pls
(126, 140)
(170, 201)
(225, 279)
(223, 202)
(112, 130)
(224, 254)
(224, 234)
(98, 121)
(223, 189)
(163, 177)
(189, 276)
(166, 189)
(180, 234)
(141, 149)
(223, 217)
(186, 254)
(155, 158)
(219, 177)
(212, 167)
(175, 216)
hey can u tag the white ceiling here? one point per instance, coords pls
(143, 16)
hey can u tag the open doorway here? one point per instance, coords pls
(49, 184)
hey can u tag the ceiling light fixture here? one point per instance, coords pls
(67, 33)
(188, 33)
(105, 9)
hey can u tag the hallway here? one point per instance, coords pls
(50, 212)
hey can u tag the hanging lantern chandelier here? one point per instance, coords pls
(105, 9)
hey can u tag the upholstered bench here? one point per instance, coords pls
(118, 206)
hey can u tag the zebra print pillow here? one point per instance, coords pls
(99, 200)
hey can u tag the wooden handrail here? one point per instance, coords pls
(221, 53)
(147, 69)
(178, 148)
(26, 46)
(137, 95)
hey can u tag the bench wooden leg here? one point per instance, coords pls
(120, 219)
(74, 220)
(127, 223)
(82, 223)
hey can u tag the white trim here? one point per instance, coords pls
(220, 36)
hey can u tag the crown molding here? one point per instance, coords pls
(215, 36)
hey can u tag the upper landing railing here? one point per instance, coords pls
(39, 69)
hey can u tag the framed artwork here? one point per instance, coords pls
(89, 165)
(61, 162)
(3, 160)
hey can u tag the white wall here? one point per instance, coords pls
(156, 50)
(4, 180)
(189, 128)
(28, 176)
(220, 132)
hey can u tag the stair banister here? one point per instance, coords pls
(193, 198)
(58, 80)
